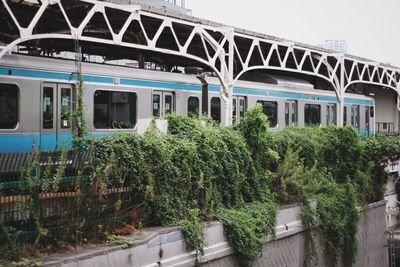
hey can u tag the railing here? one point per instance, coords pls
(385, 128)
(69, 203)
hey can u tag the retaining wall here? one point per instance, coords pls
(166, 247)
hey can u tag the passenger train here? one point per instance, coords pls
(37, 97)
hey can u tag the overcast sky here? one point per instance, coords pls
(370, 27)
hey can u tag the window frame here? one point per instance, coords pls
(261, 101)
(320, 114)
(162, 111)
(134, 128)
(220, 108)
(355, 115)
(18, 109)
(331, 107)
(290, 103)
(199, 106)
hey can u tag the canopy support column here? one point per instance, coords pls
(227, 78)
(340, 92)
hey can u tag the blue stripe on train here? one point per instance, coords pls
(26, 143)
(164, 85)
(53, 75)
(18, 143)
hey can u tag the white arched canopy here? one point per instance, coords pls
(228, 51)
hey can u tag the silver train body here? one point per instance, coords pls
(37, 95)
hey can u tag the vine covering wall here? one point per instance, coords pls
(201, 171)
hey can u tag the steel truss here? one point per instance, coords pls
(229, 52)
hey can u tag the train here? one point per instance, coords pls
(38, 94)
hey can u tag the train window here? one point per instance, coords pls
(355, 116)
(291, 113)
(216, 109)
(163, 103)
(48, 107)
(156, 105)
(242, 107)
(371, 112)
(168, 105)
(65, 108)
(270, 109)
(312, 114)
(8, 106)
(367, 119)
(114, 110)
(193, 106)
(234, 110)
(344, 116)
(238, 106)
(330, 114)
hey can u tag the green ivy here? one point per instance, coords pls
(335, 218)
(193, 232)
(236, 174)
(79, 128)
(247, 228)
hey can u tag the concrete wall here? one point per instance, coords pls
(371, 238)
(392, 207)
(166, 247)
(386, 107)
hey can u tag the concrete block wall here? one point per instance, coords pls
(156, 247)
(392, 207)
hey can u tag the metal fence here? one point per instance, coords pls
(32, 200)
(385, 128)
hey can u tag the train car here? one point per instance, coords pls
(37, 96)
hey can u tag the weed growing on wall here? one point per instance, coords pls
(335, 218)
(247, 228)
(193, 232)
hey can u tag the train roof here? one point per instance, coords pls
(275, 82)
(68, 66)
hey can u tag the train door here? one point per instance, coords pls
(163, 103)
(355, 117)
(369, 120)
(239, 107)
(290, 112)
(330, 114)
(55, 122)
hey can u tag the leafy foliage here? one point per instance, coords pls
(248, 227)
(193, 231)
(335, 218)
(78, 115)
(296, 182)
(235, 174)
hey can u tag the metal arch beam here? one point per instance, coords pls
(398, 95)
(91, 39)
(379, 72)
(395, 89)
(299, 64)
(26, 34)
(283, 69)
(371, 83)
(117, 39)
